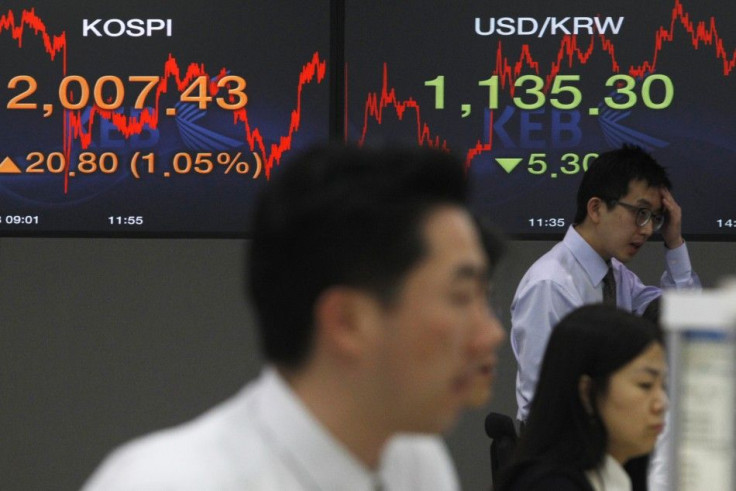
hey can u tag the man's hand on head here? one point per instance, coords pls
(672, 230)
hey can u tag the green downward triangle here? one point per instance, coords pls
(508, 164)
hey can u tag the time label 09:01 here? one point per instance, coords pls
(19, 219)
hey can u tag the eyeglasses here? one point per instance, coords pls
(643, 215)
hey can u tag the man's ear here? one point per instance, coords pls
(585, 385)
(595, 207)
(344, 319)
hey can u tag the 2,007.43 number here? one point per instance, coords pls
(108, 92)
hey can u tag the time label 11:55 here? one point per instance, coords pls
(125, 220)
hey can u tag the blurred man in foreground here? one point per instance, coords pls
(369, 278)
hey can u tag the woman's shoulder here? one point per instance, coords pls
(540, 476)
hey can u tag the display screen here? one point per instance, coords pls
(529, 92)
(705, 439)
(151, 117)
(165, 119)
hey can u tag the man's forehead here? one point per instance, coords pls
(642, 192)
(453, 237)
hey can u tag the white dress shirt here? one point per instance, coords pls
(610, 476)
(264, 439)
(569, 276)
(660, 468)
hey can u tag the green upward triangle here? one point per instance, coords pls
(508, 164)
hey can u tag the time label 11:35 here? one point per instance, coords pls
(547, 222)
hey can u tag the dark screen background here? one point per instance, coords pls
(392, 50)
(524, 164)
(280, 49)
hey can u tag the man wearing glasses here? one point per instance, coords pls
(622, 200)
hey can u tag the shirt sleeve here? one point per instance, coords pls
(536, 309)
(679, 273)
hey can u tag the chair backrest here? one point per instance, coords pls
(500, 428)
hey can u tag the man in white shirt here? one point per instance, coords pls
(369, 279)
(622, 200)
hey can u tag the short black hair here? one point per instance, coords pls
(653, 311)
(610, 174)
(341, 215)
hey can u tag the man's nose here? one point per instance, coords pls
(648, 228)
(490, 333)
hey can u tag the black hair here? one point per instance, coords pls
(341, 215)
(610, 174)
(653, 310)
(594, 340)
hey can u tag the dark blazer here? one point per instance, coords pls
(537, 476)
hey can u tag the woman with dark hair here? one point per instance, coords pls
(599, 403)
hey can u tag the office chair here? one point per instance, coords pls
(500, 428)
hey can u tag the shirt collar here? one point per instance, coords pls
(610, 476)
(591, 262)
(304, 443)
